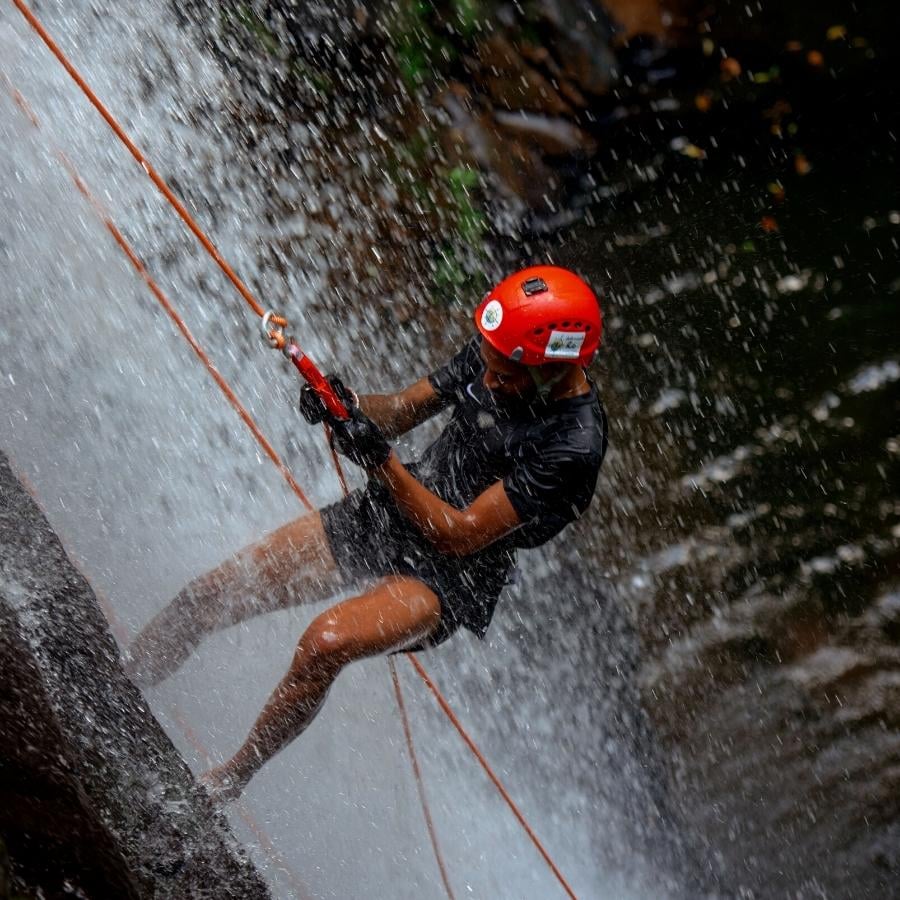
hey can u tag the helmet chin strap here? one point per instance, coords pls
(545, 385)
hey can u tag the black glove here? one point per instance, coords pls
(359, 439)
(313, 409)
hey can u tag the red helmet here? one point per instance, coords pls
(542, 314)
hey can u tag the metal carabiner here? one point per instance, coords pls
(275, 338)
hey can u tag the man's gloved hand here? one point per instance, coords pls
(311, 407)
(359, 439)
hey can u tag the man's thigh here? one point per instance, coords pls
(395, 613)
(297, 549)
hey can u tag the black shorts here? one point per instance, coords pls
(371, 538)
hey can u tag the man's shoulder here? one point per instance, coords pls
(470, 354)
(577, 428)
(463, 367)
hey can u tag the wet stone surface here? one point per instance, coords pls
(94, 799)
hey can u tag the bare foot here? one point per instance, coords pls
(221, 785)
(144, 667)
(132, 666)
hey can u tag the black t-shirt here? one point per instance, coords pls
(548, 455)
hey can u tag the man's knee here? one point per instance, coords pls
(325, 646)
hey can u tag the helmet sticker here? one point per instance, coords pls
(564, 344)
(492, 316)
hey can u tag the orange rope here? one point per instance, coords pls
(154, 176)
(404, 719)
(185, 331)
(407, 732)
(182, 327)
(257, 307)
(490, 772)
(139, 266)
(335, 461)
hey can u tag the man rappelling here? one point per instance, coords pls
(433, 542)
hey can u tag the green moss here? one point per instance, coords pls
(241, 19)
(470, 222)
(320, 81)
(413, 41)
(450, 277)
(461, 179)
(428, 39)
(461, 256)
(250, 20)
(468, 16)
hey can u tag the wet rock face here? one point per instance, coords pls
(528, 80)
(93, 796)
(448, 125)
(53, 838)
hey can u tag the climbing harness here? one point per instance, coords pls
(273, 327)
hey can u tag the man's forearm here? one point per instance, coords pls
(447, 527)
(395, 414)
(389, 412)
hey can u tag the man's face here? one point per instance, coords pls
(507, 381)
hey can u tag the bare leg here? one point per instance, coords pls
(290, 566)
(398, 612)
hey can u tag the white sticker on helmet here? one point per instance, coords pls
(564, 344)
(492, 316)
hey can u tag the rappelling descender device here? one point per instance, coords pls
(273, 327)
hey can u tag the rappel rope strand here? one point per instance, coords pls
(420, 784)
(490, 773)
(152, 174)
(183, 213)
(123, 635)
(166, 304)
(336, 462)
(258, 309)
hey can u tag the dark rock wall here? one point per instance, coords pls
(93, 796)
(45, 819)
